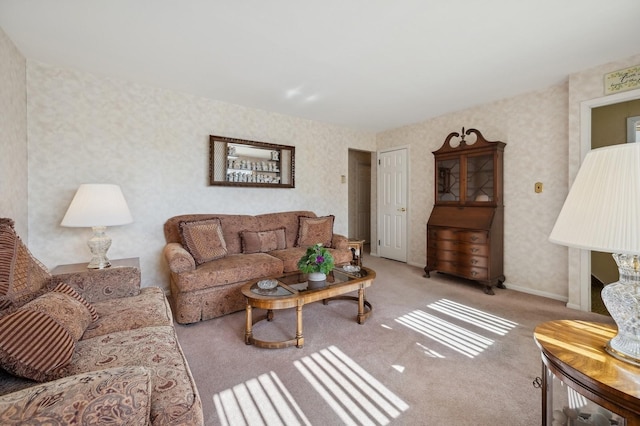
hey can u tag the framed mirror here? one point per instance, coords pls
(239, 162)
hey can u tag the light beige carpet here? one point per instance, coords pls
(435, 351)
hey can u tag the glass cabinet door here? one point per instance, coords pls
(480, 185)
(567, 407)
(448, 180)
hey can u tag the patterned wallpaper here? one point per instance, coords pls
(533, 125)
(154, 143)
(13, 128)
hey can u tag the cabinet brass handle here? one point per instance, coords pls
(474, 250)
(474, 261)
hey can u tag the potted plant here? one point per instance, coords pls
(317, 263)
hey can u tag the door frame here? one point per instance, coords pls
(584, 256)
(406, 148)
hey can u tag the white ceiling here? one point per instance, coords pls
(366, 64)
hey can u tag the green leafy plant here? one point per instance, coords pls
(316, 259)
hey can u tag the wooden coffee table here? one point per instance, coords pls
(293, 291)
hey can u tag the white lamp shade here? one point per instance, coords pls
(602, 210)
(97, 205)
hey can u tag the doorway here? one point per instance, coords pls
(608, 127)
(359, 207)
(584, 277)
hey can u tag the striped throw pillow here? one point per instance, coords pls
(41, 336)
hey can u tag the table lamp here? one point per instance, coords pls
(98, 206)
(602, 213)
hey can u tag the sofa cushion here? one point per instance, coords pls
(115, 396)
(203, 239)
(229, 270)
(22, 276)
(40, 336)
(263, 241)
(315, 230)
(124, 314)
(174, 396)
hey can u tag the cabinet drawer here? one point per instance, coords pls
(447, 255)
(475, 237)
(451, 267)
(473, 261)
(447, 245)
(474, 273)
(453, 234)
(473, 249)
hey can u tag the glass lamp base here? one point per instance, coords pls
(622, 300)
(99, 245)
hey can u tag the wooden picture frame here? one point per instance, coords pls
(245, 163)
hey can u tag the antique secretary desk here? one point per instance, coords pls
(465, 229)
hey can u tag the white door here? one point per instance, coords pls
(392, 204)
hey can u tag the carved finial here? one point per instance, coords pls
(462, 135)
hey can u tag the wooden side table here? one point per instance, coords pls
(357, 248)
(579, 374)
(121, 279)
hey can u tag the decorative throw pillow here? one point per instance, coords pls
(22, 277)
(203, 239)
(40, 337)
(263, 241)
(314, 230)
(65, 289)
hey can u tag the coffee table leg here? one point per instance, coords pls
(248, 334)
(299, 337)
(361, 317)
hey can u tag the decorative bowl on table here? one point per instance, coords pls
(351, 268)
(267, 284)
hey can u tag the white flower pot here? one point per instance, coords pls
(317, 276)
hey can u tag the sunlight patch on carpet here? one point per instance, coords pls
(474, 316)
(448, 334)
(429, 352)
(351, 392)
(261, 401)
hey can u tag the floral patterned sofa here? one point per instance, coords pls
(210, 256)
(84, 352)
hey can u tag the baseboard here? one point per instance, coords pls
(538, 293)
(519, 288)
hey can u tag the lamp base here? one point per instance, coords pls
(622, 300)
(620, 355)
(99, 245)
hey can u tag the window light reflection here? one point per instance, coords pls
(353, 394)
(264, 400)
(473, 316)
(448, 334)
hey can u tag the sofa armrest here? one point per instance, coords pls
(118, 395)
(339, 242)
(97, 285)
(178, 258)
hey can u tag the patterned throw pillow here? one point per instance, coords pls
(65, 289)
(22, 277)
(314, 230)
(203, 239)
(40, 337)
(263, 241)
